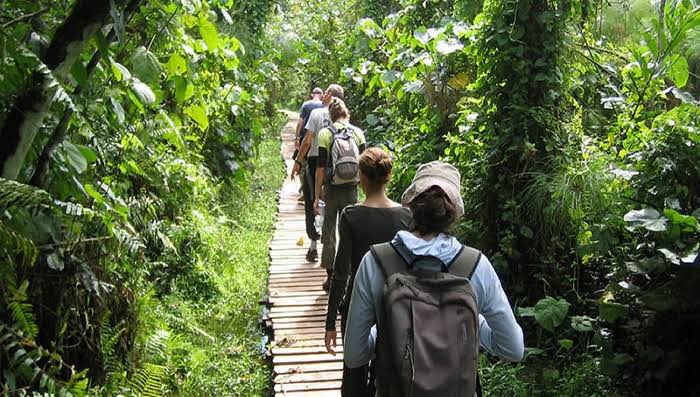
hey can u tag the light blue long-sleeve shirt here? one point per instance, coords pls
(499, 333)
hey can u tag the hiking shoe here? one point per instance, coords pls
(327, 284)
(312, 255)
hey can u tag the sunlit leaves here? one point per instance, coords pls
(176, 65)
(209, 33)
(120, 71)
(446, 47)
(678, 70)
(199, 115)
(183, 89)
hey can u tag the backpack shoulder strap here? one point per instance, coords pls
(388, 259)
(465, 262)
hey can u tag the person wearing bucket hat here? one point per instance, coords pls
(436, 204)
(436, 173)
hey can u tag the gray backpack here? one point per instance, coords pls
(428, 343)
(343, 157)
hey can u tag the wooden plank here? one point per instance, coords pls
(321, 301)
(296, 312)
(301, 365)
(309, 377)
(303, 324)
(299, 319)
(297, 369)
(307, 386)
(306, 358)
(286, 280)
(301, 350)
(310, 393)
(277, 294)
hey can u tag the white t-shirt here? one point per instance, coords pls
(318, 120)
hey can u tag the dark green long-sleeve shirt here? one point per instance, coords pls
(359, 227)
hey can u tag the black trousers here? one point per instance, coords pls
(309, 185)
(356, 381)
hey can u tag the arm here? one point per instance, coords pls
(499, 333)
(302, 152)
(300, 126)
(321, 167)
(359, 341)
(320, 178)
(340, 271)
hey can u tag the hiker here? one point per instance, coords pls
(429, 319)
(304, 112)
(308, 155)
(374, 221)
(337, 173)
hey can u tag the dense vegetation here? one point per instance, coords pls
(575, 126)
(135, 131)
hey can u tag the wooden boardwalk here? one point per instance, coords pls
(297, 303)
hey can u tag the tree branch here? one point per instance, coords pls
(23, 17)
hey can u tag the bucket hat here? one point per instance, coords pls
(440, 174)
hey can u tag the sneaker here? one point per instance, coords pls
(327, 284)
(312, 255)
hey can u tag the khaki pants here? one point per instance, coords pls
(336, 198)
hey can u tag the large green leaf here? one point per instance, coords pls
(678, 71)
(143, 92)
(647, 218)
(118, 110)
(75, 157)
(120, 71)
(446, 47)
(145, 65)
(209, 33)
(176, 65)
(183, 90)
(550, 312)
(199, 115)
(611, 311)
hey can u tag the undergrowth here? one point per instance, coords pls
(202, 337)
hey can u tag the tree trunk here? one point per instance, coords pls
(27, 114)
(59, 133)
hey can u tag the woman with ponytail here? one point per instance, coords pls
(376, 220)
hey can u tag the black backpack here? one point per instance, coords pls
(428, 343)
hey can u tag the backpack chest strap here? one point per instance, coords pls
(391, 261)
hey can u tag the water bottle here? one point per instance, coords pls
(318, 221)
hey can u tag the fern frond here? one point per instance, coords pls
(109, 336)
(18, 195)
(147, 381)
(157, 345)
(16, 249)
(129, 239)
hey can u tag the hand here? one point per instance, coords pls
(296, 143)
(316, 210)
(331, 337)
(295, 170)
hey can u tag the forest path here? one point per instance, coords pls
(297, 303)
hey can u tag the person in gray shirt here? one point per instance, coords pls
(308, 154)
